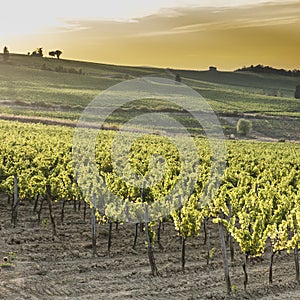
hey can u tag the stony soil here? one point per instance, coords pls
(64, 268)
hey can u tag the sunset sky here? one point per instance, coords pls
(168, 33)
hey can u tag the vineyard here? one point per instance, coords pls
(252, 219)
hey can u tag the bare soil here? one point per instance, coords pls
(283, 128)
(64, 268)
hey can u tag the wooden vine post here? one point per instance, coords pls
(183, 239)
(52, 218)
(15, 202)
(225, 259)
(93, 222)
(150, 251)
(296, 256)
(245, 264)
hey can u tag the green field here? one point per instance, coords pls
(246, 189)
(61, 89)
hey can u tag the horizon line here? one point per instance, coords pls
(154, 67)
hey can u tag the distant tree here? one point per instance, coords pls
(178, 78)
(5, 54)
(56, 53)
(244, 126)
(38, 52)
(52, 53)
(297, 92)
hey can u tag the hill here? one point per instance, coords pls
(61, 89)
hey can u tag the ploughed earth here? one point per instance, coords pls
(63, 267)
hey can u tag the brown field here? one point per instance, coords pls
(64, 268)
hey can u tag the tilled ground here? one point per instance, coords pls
(64, 268)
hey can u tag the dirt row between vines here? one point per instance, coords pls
(71, 123)
(64, 268)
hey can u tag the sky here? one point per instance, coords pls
(186, 34)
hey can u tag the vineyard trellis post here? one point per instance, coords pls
(52, 218)
(93, 223)
(151, 257)
(245, 264)
(296, 256)
(183, 239)
(15, 202)
(109, 236)
(225, 259)
(271, 266)
(135, 236)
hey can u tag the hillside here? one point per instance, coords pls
(61, 89)
(269, 70)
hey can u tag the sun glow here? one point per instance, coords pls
(173, 33)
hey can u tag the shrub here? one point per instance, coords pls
(244, 126)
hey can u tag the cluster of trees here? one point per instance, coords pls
(269, 70)
(39, 52)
